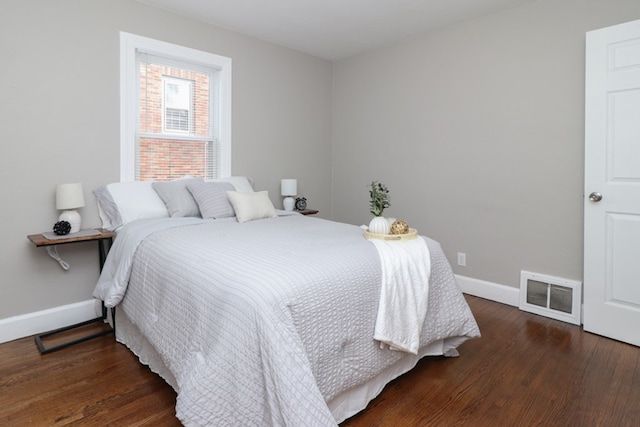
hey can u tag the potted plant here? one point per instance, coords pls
(379, 201)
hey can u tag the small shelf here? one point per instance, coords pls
(40, 240)
(104, 238)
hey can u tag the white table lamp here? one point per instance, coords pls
(288, 188)
(70, 197)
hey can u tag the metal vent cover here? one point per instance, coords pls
(550, 296)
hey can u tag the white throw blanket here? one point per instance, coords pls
(406, 268)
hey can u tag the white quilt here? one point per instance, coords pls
(262, 323)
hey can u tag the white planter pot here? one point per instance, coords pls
(379, 225)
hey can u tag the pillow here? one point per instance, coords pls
(123, 202)
(177, 198)
(133, 200)
(241, 183)
(107, 209)
(250, 206)
(211, 198)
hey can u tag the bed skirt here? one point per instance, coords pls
(343, 406)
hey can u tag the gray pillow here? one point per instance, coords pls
(177, 198)
(212, 198)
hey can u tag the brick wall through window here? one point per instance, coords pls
(165, 158)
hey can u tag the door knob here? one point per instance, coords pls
(595, 197)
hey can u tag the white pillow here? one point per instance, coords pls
(251, 206)
(137, 200)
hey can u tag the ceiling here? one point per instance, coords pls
(333, 29)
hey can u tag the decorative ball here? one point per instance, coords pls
(61, 228)
(399, 227)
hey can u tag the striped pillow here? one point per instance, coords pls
(212, 199)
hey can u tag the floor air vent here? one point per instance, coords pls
(552, 297)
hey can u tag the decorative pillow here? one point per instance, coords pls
(136, 200)
(211, 198)
(177, 197)
(241, 183)
(251, 206)
(122, 202)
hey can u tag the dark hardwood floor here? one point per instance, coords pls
(525, 370)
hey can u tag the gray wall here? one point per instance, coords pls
(59, 121)
(478, 131)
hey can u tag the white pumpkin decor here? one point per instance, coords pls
(379, 225)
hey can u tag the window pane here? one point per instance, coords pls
(178, 93)
(175, 131)
(165, 159)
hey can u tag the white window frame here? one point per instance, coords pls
(129, 117)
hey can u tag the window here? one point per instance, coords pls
(177, 101)
(175, 111)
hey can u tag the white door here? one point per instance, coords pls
(612, 183)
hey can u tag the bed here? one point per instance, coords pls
(262, 321)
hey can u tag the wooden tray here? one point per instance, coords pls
(412, 234)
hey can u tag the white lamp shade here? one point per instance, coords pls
(289, 187)
(69, 196)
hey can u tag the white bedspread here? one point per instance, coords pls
(404, 294)
(262, 323)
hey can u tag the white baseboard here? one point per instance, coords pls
(488, 290)
(29, 324)
(41, 321)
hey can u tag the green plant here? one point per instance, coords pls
(379, 198)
